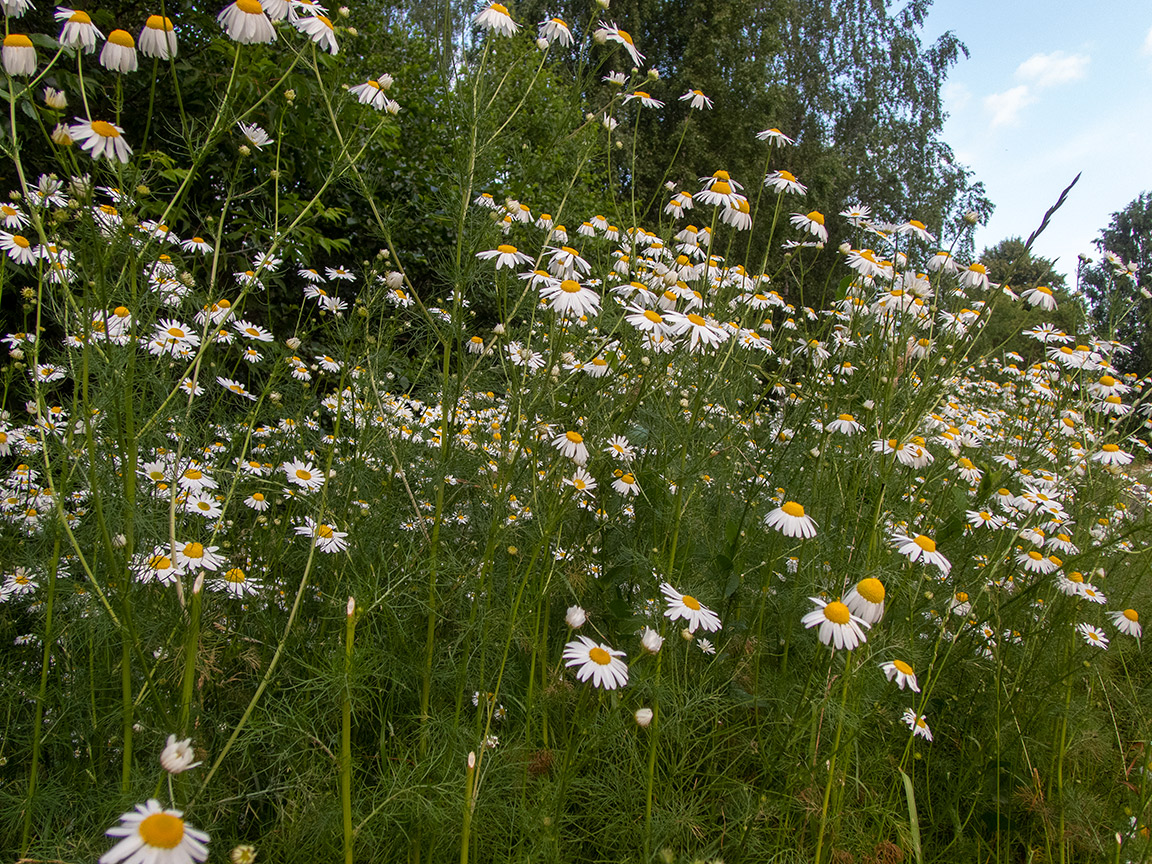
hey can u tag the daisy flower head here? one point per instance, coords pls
(372, 92)
(916, 229)
(702, 333)
(690, 609)
(1127, 622)
(101, 139)
(119, 53)
(791, 521)
(920, 548)
(775, 137)
(556, 30)
(626, 484)
(18, 247)
(845, 424)
(245, 22)
(583, 482)
(505, 255)
(178, 756)
(1094, 636)
(570, 299)
(839, 628)
(645, 99)
(1041, 296)
(696, 99)
(975, 276)
(18, 55)
(303, 474)
(866, 600)
(785, 181)
(328, 539)
(78, 30)
(496, 18)
(152, 835)
(158, 38)
(254, 135)
(320, 30)
(901, 673)
(813, 223)
(917, 724)
(571, 445)
(613, 33)
(621, 448)
(598, 662)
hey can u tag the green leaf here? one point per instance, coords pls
(913, 820)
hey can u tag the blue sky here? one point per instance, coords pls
(1049, 90)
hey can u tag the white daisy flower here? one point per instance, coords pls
(902, 674)
(791, 521)
(690, 609)
(838, 626)
(598, 662)
(153, 835)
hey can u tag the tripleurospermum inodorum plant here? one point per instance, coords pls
(664, 523)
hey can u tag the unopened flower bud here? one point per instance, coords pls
(542, 44)
(971, 217)
(643, 717)
(575, 617)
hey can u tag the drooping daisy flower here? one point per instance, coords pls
(644, 98)
(18, 55)
(689, 608)
(505, 255)
(320, 30)
(813, 223)
(246, 23)
(496, 18)
(1041, 296)
(626, 484)
(916, 229)
(572, 445)
(839, 628)
(917, 724)
(158, 38)
(153, 835)
(612, 33)
(1111, 454)
(866, 600)
(373, 92)
(790, 520)
(844, 424)
(119, 53)
(598, 662)
(78, 30)
(1127, 622)
(556, 30)
(696, 99)
(775, 137)
(785, 181)
(920, 547)
(902, 674)
(101, 138)
(1093, 635)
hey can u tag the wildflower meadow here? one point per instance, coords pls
(551, 505)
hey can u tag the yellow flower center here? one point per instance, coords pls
(787, 175)
(1131, 615)
(121, 312)
(251, 7)
(902, 667)
(257, 496)
(194, 550)
(599, 656)
(324, 531)
(1034, 555)
(159, 22)
(105, 130)
(159, 562)
(193, 474)
(796, 511)
(623, 34)
(627, 478)
(79, 17)
(17, 40)
(574, 437)
(691, 602)
(303, 475)
(847, 418)
(978, 268)
(915, 224)
(1107, 381)
(570, 286)
(961, 596)
(122, 38)
(235, 576)
(817, 217)
(721, 188)
(162, 831)
(1111, 448)
(871, 589)
(837, 612)
(1076, 576)
(925, 543)
(653, 317)
(696, 319)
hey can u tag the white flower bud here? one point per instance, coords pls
(178, 756)
(542, 44)
(643, 717)
(575, 617)
(651, 641)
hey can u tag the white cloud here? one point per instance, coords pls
(1048, 70)
(1006, 107)
(1148, 42)
(956, 96)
